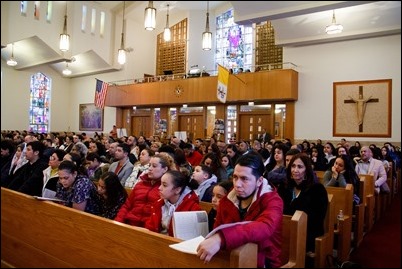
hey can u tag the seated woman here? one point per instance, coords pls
(77, 191)
(301, 192)
(342, 173)
(137, 208)
(111, 195)
(176, 194)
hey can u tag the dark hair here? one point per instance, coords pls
(91, 156)
(254, 161)
(113, 187)
(60, 154)
(309, 175)
(8, 144)
(125, 147)
(68, 166)
(37, 146)
(227, 185)
(180, 180)
(207, 169)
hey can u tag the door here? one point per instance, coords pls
(193, 125)
(251, 125)
(141, 125)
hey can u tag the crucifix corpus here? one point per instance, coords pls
(361, 104)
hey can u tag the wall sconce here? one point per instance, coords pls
(64, 37)
(150, 17)
(12, 61)
(166, 32)
(207, 35)
(333, 28)
(121, 53)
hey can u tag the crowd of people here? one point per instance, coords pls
(250, 182)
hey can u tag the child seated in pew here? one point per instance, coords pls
(219, 191)
(111, 195)
(206, 180)
(177, 194)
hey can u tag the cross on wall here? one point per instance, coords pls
(361, 104)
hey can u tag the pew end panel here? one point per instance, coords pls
(324, 244)
(367, 197)
(343, 199)
(45, 234)
(294, 234)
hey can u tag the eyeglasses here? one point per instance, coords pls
(52, 158)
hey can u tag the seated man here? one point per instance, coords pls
(251, 199)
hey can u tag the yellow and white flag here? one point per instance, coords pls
(223, 81)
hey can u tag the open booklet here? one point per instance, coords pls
(190, 245)
(40, 198)
(190, 224)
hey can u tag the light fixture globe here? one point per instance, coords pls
(12, 61)
(150, 17)
(334, 28)
(207, 35)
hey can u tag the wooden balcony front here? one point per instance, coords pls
(273, 85)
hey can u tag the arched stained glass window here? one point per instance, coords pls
(39, 112)
(234, 43)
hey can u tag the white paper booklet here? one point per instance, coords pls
(190, 224)
(190, 246)
(40, 198)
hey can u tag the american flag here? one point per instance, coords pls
(100, 93)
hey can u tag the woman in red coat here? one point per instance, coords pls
(176, 191)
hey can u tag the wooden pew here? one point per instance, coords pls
(294, 232)
(367, 198)
(320, 176)
(324, 244)
(206, 206)
(343, 200)
(45, 234)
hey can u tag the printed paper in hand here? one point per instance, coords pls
(188, 246)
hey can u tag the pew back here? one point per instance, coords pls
(45, 234)
(294, 232)
(343, 200)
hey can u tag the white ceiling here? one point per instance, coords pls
(296, 23)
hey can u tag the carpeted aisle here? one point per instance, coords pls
(381, 247)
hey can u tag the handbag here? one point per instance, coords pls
(384, 188)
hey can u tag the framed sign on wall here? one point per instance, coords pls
(362, 108)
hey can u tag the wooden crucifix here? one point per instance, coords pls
(361, 104)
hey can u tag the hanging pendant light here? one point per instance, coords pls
(166, 32)
(64, 37)
(121, 53)
(207, 35)
(66, 70)
(12, 61)
(333, 28)
(150, 17)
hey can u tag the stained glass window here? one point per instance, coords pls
(39, 112)
(234, 43)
